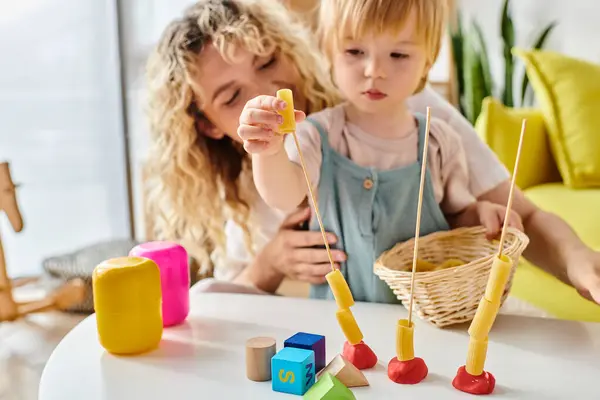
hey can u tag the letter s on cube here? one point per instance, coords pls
(293, 370)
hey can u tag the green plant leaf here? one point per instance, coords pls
(485, 62)
(468, 77)
(508, 39)
(479, 88)
(475, 87)
(538, 44)
(457, 38)
(507, 26)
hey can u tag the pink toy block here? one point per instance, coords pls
(172, 261)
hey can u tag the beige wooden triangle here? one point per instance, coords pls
(345, 372)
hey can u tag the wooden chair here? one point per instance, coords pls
(62, 298)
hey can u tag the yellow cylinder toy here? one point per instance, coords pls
(127, 301)
(289, 119)
(405, 349)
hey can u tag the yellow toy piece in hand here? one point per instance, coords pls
(289, 119)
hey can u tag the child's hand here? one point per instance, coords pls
(259, 122)
(492, 215)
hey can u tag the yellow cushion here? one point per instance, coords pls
(500, 127)
(568, 91)
(531, 284)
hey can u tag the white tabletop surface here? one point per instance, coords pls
(531, 358)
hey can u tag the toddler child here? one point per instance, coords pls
(364, 156)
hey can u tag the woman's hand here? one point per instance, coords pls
(259, 123)
(292, 251)
(585, 275)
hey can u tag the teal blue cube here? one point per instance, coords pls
(293, 370)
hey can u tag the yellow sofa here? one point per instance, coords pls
(560, 164)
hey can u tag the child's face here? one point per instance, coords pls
(377, 73)
(224, 88)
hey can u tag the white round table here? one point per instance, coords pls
(204, 358)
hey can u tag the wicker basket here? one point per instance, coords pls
(448, 296)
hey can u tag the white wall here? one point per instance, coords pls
(143, 23)
(60, 127)
(577, 33)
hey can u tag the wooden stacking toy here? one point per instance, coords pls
(355, 350)
(259, 352)
(172, 261)
(127, 300)
(62, 298)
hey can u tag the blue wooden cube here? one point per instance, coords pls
(309, 341)
(293, 370)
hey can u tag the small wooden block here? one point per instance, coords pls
(328, 387)
(293, 370)
(259, 351)
(345, 372)
(309, 341)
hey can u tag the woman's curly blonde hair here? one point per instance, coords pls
(194, 184)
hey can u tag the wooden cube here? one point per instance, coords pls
(328, 387)
(309, 341)
(293, 370)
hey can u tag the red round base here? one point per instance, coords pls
(360, 355)
(481, 384)
(407, 372)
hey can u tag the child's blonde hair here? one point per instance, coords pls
(194, 183)
(356, 18)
